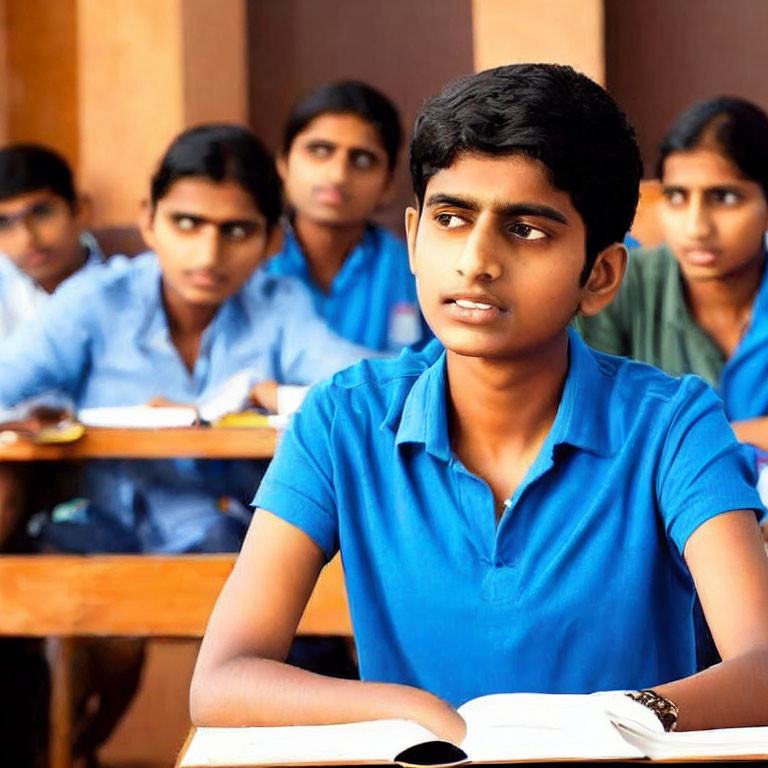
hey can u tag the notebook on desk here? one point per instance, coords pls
(501, 728)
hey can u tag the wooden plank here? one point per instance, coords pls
(137, 595)
(185, 442)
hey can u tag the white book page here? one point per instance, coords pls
(138, 417)
(528, 726)
(722, 742)
(375, 741)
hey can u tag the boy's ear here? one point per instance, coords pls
(146, 216)
(84, 211)
(604, 280)
(411, 230)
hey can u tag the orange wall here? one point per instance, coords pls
(561, 31)
(3, 76)
(131, 98)
(215, 61)
(41, 89)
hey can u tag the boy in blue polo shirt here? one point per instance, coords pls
(514, 511)
(340, 147)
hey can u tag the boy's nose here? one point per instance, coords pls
(338, 168)
(479, 259)
(209, 247)
(25, 235)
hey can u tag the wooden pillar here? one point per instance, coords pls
(147, 70)
(558, 31)
(39, 99)
(4, 75)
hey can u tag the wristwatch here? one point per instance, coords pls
(663, 708)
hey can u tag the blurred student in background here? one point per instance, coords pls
(182, 324)
(338, 156)
(179, 324)
(699, 304)
(42, 236)
(42, 243)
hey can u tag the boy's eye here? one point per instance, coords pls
(185, 223)
(526, 232)
(320, 149)
(725, 196)
(43, 210)
(237, 230)
(362, 159)
(674, 196)
(449, 220)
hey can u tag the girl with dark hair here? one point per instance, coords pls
(338, 155)
(699, 303)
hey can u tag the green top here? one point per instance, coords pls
(650, 321)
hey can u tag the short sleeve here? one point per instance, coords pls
(703, 469)
(298, 485)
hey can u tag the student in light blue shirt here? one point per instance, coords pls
(179, 324)
(42, 241)
(514, 511)
(339, 150)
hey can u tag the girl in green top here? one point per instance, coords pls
(699, 304)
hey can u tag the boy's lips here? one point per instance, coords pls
(476, 308)
(34, 259)
(205, 278)
(329, 195)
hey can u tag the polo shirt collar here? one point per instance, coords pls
(582, 420)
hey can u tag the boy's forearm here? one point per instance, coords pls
(254, 691)
(731, 694)
(753, 431)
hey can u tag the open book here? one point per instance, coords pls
(500, 728)
(138, 416)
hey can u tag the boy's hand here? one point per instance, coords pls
(264, 395)
(437, 715)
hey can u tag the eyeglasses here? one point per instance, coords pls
(36, 215)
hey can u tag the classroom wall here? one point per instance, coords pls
(663, 54)
(559, 31)
(407, 49)
(4, 75)
(40, 90)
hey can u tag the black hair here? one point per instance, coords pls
(28, 168)
(550, 113)
(222, 152)
(736, 128)
(348, 97)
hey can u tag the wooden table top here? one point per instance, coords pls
(182, 442)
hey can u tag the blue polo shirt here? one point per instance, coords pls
(580, 587)
(372, 300)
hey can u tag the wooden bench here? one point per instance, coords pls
(62, 597)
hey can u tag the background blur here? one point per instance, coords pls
(109, 83)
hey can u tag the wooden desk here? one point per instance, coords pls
(184, 442)
(64, 596)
